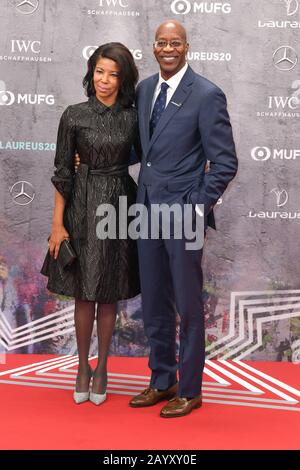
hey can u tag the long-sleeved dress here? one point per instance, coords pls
(106, 270)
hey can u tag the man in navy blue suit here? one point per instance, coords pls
(183, 123)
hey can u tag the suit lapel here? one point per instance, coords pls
(146, 107)
(182, 92)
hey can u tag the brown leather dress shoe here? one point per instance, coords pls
(151, 396)
(180, 407)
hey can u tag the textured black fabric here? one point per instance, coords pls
(105, 270)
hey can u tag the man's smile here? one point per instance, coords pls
(168, 58)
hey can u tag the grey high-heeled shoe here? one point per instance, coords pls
(97, 398)
(81, 397)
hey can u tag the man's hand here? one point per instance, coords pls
(76, 162)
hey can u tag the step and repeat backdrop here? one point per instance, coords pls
(251, 49)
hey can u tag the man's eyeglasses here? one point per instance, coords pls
(175, 44)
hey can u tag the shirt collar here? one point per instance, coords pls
(174, 81)
(100, 107)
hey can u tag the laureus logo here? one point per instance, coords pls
(282, 196)
(291, 6)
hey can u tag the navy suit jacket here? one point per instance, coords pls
(195, 127)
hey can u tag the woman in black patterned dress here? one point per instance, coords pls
(102, 130)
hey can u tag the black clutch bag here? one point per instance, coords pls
(66, 256)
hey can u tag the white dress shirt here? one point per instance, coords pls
(173, 83)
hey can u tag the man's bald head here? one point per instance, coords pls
(173, 26)
(170, 47)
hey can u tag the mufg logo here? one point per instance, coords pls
(8, 98)
(89, 50)
(184, 7)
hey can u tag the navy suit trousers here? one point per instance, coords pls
(172, 281)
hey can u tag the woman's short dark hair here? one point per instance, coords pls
(128, 71)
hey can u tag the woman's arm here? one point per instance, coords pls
(58, 231)
(62, 179)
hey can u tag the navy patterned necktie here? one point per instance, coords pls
(159, 107)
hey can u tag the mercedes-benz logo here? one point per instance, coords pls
(285, 58)
(291, 6)
(22, 193)
(282, 196)
(27, 7)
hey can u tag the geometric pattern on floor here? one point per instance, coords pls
(233, 383)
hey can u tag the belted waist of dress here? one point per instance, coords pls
(80, 194)
(116, 170)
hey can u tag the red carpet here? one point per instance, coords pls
(38, 417)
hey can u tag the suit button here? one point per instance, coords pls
(148, 163)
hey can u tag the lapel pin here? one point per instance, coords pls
(176, 104)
